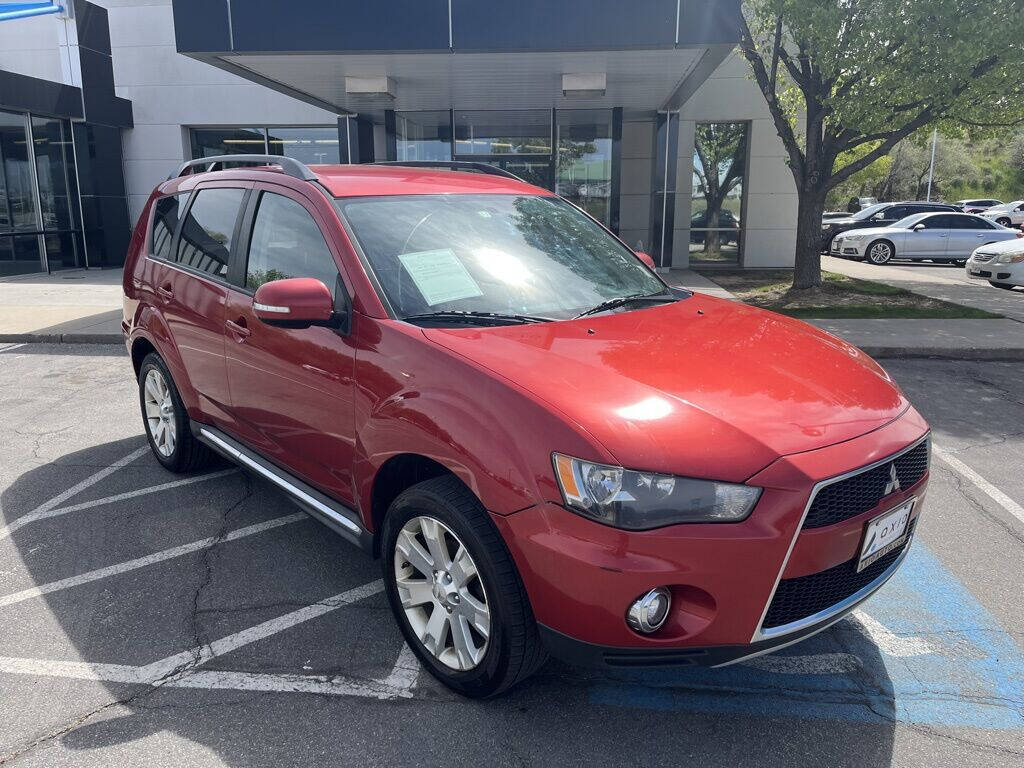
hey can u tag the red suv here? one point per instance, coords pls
(549, 448)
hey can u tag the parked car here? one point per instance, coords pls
(878, 215)
(950, 237)
(977, 205)
(834, 215)
(860, 203)
(1002, 264)
(1007, 214)
(548, 448)
(728, 226)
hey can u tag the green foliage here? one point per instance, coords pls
(848, 80)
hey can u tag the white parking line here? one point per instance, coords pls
(140, 492)
(203, 653)
(888, 642)
(43, 509)
(980, 482)
(11, 348)
(142, 562)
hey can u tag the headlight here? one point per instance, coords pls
(856, 237)
(639, 501)
(1009, 258)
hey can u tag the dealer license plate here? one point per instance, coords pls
(885, 533)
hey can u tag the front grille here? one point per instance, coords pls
(804, 596)
(981, 258)
(857, 494)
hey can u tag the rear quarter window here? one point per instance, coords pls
(165, 221)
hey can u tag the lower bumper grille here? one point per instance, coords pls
(804, 596)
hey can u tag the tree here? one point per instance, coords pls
(841, 74)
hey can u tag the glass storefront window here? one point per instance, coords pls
(54, 160)
(423, 135)
(584, 165)
(500, 132)
(310, 145)
(18, 211)
(719, 174)
(209, 142)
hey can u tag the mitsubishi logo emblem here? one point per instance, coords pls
(894, 481)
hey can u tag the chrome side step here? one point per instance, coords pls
(331, 513)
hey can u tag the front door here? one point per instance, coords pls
(929, 241)
(291, 388)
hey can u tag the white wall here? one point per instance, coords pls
(730, 94)
(169, 91)
(32, 47)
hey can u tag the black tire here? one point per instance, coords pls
(514, 649)
(879, 252)
(1004, 221)
(959, 262)
(1004, 286)
(188, 454)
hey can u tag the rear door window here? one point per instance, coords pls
(285, 243)
(165, 222)
(208, 231)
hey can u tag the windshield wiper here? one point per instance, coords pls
(620, 301)
(468, 316)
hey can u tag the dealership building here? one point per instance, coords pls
(643, 113)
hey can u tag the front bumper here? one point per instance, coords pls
(851, 249)
(1002, 273)
(582, 576)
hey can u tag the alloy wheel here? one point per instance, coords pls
(160, 412)
(880, 253)
(441, 592)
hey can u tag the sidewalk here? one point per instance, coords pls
(950, 339)
(81, 306)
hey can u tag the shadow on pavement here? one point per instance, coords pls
(827, 701)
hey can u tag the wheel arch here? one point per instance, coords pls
(887, 241)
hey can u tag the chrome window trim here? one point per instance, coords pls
(839, 608)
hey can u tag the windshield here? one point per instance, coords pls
(509, 254)
(868, 212)
(908, 221)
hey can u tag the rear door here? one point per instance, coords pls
(291, 388)
(191, 287)
(970, 232)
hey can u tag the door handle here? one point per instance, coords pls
(165, 291)
(240, 328)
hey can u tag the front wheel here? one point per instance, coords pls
(455, 591)
(959, 262)
(880, 252)
(1003, 221)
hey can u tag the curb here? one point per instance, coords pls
(1008, 354)
(61, 338)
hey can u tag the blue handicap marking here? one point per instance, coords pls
(927, 653)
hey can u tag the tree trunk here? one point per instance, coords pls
(807, 265)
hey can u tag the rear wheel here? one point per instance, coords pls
(1004, 286)
(455, 591)
(880, 252)
(959, 262)
(167, 423)
(1003, 221)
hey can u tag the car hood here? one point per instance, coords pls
(1014, 245)
(841, 222)
(705, 387)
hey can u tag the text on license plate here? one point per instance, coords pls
(884, 534)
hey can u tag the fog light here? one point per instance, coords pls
(649, 612)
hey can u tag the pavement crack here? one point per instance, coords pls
(961, 489)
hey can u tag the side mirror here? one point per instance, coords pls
(297, 302)
(646, 259)
(918, 227)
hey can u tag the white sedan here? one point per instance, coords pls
(951, 237)
(1007, 214)
(1002, 264)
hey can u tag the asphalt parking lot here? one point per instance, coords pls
(152, 619)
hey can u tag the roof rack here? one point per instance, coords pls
(290, 166)
(454, 165)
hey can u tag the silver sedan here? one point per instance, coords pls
(950, 237)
